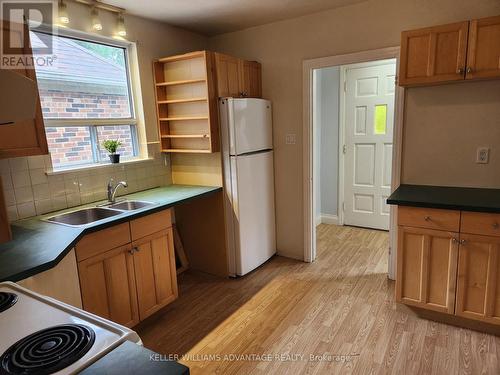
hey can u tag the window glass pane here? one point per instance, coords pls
(86, 80)
(69, 146)
(380, 119)
(123, 133)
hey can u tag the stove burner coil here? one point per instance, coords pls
(48, 350)
(7, 300)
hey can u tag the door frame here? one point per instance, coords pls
(342, 130)
(308, 148)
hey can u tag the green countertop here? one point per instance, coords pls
(38, 245)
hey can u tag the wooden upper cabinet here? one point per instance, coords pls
(478, 289)
(483, 57)
(108, 287)
(155, 270)
(250, 79)
(237, 77)
(228, 75)
(26, 137)
(433, 54)
(426, 269)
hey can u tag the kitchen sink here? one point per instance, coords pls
(130, 205)
(84, 216)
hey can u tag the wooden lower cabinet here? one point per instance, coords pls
(478, 289)
(427, 263)
(130, 282)
(108, 286)
(155, 271)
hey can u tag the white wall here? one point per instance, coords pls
(326, 83)
(329, 149)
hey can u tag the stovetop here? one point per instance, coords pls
(40, 335)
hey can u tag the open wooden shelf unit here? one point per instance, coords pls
(186, 103)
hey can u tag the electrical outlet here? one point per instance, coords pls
(290, 139)
(483, 155)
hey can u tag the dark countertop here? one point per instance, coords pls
(130, 358)
(39, 245)
(451, 198)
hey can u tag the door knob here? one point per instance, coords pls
(469, 70)
(460, 71)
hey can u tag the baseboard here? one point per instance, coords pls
(329, 219)
(318, 220)
(290, 255)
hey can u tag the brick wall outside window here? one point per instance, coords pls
(68, 104)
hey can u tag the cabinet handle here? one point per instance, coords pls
(462, 242)
(131, 251)
(427, 218)
(495, 225)
(469, 70)
(454, 240)
(136, 249)
(460, 71)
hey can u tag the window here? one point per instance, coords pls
(86, 99)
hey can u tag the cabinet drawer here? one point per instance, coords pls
(150, 224)
(431, 218)
(480, 223)
(104, 240)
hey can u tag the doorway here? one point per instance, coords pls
(367, 143)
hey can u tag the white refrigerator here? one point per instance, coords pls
(247, 152)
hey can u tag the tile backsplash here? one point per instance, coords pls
(29, 191)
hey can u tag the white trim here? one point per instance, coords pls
(330, 219)
(308, 186)
(83, 167)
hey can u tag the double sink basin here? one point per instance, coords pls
(90, 215)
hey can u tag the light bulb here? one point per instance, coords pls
(120, 26)
(96, 22)
(63, 13)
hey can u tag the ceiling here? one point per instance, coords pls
(212, 17)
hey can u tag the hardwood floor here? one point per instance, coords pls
(342, 304)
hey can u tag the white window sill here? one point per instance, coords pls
(91, 167)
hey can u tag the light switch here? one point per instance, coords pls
(290, 139)
(483, 155)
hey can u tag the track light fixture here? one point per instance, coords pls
(120, 26)
(96, 22)
(62, 13)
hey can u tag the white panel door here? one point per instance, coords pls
(369, 122)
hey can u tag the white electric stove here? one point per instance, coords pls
(39, 335)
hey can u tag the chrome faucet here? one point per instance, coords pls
(112, 188)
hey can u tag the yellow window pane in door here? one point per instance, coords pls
(380, 125)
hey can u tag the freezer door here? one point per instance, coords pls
(250, 126)
(253, 210)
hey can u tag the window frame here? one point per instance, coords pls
(133, 88)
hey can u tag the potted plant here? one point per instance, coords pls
(111, 146)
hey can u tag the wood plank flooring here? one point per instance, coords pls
(341, 305)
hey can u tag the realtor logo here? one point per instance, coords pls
(15, 38)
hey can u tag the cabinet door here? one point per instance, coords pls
(434, 54)
(107, 284)
(478, 290)
(154, 264)
(427, 268)
(250, 79)
(25, 137)
(483, 56)
(227, 75)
